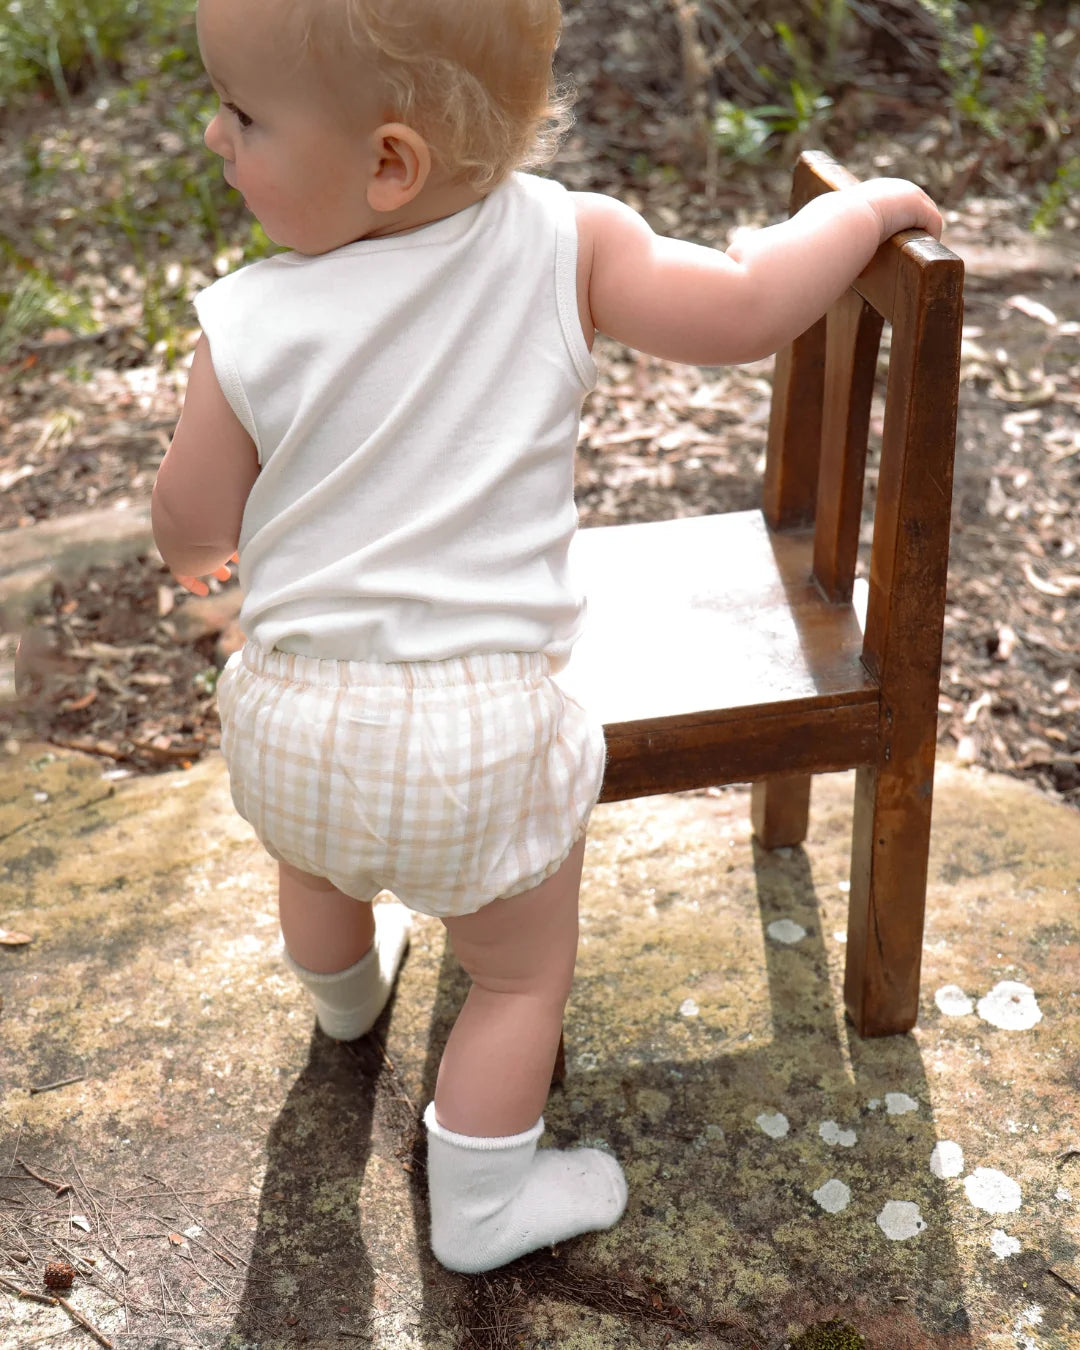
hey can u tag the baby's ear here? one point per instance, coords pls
(401, 166)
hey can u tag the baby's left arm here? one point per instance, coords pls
(204, 481)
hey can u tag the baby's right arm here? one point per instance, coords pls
(686, 302)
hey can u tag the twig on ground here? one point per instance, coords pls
(58, 1187)
(13, 1288)
(395, 1079)
(1062, 1280)
(92, 748)
(51, 1301)
(222, 1242)
(86, 1325)
(18, 1141)
(180, 1312)
(62, 1082)
(116, 1261)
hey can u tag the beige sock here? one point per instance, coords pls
(348, 1002)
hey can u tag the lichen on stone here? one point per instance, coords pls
(829, 1336)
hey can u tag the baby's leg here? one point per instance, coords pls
(493, 1196)
(520, 953)
(324, 929)
(344, 951)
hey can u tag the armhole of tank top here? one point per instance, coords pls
(566, 257)
(228, 377)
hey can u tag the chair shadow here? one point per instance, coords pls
(810, 1045)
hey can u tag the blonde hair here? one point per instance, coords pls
(473, 77)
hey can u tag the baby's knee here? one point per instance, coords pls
(546, 986)
(544, 975)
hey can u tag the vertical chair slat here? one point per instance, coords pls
(791, 460)
(902, 644)
(854, 333)
(789, 491)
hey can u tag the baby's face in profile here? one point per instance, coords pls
(302, 165)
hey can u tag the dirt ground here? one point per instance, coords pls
(85, 420)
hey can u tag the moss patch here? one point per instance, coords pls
(830, 1336)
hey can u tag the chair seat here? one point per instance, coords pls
(711, 656)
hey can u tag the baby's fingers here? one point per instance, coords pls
(223, 573)
(193, 584)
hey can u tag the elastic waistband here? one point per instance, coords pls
(485, 668)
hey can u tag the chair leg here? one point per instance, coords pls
(780, 810)
(889, 852)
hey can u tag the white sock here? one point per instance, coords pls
(493, 1200)
(348, 1002)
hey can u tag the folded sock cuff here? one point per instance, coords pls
(311, 977)
(474, 1142)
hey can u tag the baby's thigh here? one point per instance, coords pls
(527, 942)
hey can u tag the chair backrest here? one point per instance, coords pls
(819, 424)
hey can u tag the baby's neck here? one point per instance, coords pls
(437, 201)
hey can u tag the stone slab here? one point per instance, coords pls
(241, 1181)
(32, 558)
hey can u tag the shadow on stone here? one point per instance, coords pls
(733, 1147)
(309, 1274)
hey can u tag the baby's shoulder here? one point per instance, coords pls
(251, 274)
(250, 289)
(603, 223)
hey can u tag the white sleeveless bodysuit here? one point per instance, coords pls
(415, 403)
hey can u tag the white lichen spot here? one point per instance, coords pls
(947, 1159)
(775, 1125)
(900, 1220)
(1011, 1006)
(786, 931)
(1031, 1316)
(874, 1104)
(952, 1001)
(899, 1103)
(1063, 1193)
(833, 1134)
(989, 1189)
(688, 1008)
(833, 1196)
(1002, 1245)
(586, 1060)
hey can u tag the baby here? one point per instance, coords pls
(382, 421)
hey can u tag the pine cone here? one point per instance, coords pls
(59, 1275)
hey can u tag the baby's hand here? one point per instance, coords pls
(197, 587)
(900, 205)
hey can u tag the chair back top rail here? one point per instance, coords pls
(910, 270)
(817, 173)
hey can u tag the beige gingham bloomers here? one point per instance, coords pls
(449, 783)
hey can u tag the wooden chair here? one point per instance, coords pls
(727, 648)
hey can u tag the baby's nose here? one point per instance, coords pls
(215, 138)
